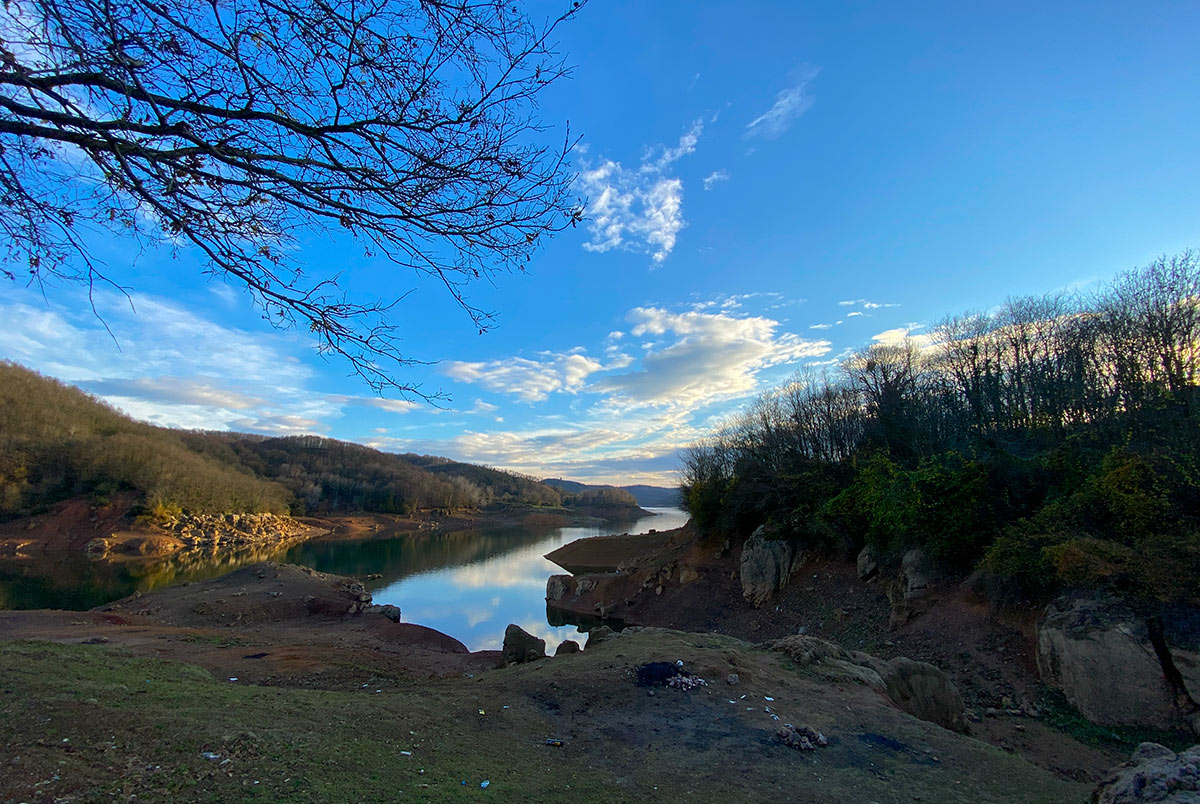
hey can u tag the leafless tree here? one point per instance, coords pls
(235, 127)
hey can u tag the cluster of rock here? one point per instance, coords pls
(234, 529)
(1156, 774)
(521, 647)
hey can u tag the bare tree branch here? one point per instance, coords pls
(234, 127)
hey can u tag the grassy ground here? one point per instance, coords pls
(89, 723)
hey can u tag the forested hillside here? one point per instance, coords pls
(1053, 443)
(58, 443)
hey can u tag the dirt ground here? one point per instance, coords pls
(989, 655)
(335, 702)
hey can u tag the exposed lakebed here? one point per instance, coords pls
(468, 584)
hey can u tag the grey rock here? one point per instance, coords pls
(521, 646)
(1098, 653)
(1154, 774)
(732, 679)
(557, 587)
(766, 565)
(868, 566)
(391, 612)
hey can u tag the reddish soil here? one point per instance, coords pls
(264, 624)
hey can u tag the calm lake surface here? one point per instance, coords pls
(468, 584)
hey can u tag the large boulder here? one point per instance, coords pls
(909, 592)
(1154, 774)
(520, 646)
(766, 565)
(1099, 654)
(920, 689)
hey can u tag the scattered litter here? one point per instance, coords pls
(484, 784)
(774, 717)
(506, 706)
(482, 712)
(742, 698)
(554, 742)
(768, 698)
(210, 755)
(231, 678)
(679, 662)
(406, 753)
(732, 701)
(802, 738)
(767, 709)
(687, 682)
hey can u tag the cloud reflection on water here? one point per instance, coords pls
(474, 601)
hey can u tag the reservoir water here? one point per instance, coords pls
(468, 584)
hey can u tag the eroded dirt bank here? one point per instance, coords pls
(334, 701)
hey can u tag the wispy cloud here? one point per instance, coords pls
(790, 103)
(713, 178)
(639, 209)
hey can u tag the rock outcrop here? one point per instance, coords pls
(1156, 774)
(1099, 654)
(234, 529)
(868, 565)
(766, 565)
(520, 646)
(920, 689)
(910, 592)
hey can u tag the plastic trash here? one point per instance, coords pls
(482, 712)
(210, 755)
(554, 742)
(406, 753)
(231, 678)
(768, 698)
(484, 784)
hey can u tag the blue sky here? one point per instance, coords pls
(770, 185)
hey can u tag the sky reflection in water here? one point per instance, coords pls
(475, 600)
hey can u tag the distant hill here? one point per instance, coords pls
(653, 496)
(58, 443)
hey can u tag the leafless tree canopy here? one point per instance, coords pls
(235, 126)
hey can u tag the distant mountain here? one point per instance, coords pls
(653, 496)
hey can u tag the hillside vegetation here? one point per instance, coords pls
(1053, 444)
(59, 443)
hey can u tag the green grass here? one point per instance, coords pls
(139, 726)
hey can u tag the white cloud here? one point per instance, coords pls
(790, 103)
(529, 380)
(708, 357)
(716, 176)
(637, 209)
(820, 326)
(901, 335)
